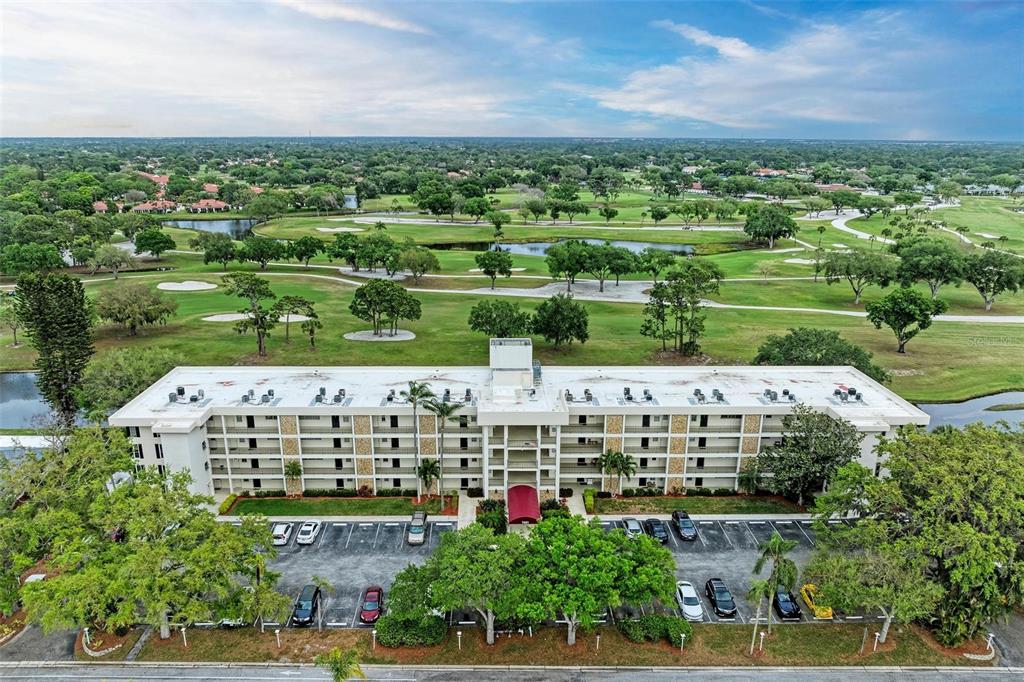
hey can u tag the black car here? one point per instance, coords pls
(720, 597)
(785, 605)
(687, 529)
(657, 530)
(306, 605)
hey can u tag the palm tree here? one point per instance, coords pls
(750, 477)
(293, 470)
(342, 665)
(443, 411)
(760, 590)
(418, 391)
(623, 465)
(325, 586)
(428, 472)
(603, 462)
(783, 572)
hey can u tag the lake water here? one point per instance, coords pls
(236, 228)
(20, 403)
(539, 248)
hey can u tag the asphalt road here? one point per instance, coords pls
(257, 673)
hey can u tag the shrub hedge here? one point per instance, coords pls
(652, 627)
(225, 506)
(588, 500)
(395, 630)
(603, 494)
(329, 492)
(475, 492)
(565, 492)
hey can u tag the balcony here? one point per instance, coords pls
(386, 428)
(474, 472)
(384, 451)
(713, 470)
(583, 448)
(249, 472)
(717, 428)
(725, 449)
(343, 450)
(388, 470)
(253, 452)
(328, 471)
(654, 428)
(239, 430)
(583, 428)
(522, 466)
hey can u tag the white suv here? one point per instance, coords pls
(282, 533)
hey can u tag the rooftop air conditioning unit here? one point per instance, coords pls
(264, 398)
(181, 391)
(270, 392)
(319, 398)
(172, 397)
(245, 397)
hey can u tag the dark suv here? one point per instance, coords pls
(657, 530)
(687, 529)
(720, 597)
(306, 605)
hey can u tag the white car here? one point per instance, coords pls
(689, 602)
(308, 532)
(282, 533)
(632, 527)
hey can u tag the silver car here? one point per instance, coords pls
(308, 533)
(417, 528)
(689, 602)
(633, 528)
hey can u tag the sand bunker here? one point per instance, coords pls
(986, 235)
(400, 335)
(340, 229)
(235, 317)
(513, 270)
(795, 248)
(799, 261)
(186, 286)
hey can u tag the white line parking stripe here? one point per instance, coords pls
(351, 528)
(727, 536)
(801, 527)
(323, 534)
(750, 533)
(375, 536)
(700, 536)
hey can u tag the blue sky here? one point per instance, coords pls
(950, 70)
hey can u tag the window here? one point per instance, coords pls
(645, 420)
(699, 482)
(643, 464)
(257, 483)
(463, 443)
(335, 422)
(137, 451)
(702, 442)
(582, 419)
(395, 463)
(396, 483)
(159, 450)
(464, 462)
(255, 463)
(132, 431)
(252, 443)
(581, 461)
(463, 422)
(161, 469)
(700, 462)
(394, 442)
(238, 419)
(250, 422)
(270, 419)
(645, 443)
(464, 483)
(878, 468)
(703, 420)
(642, 482)
(337, 442)
(394, 421)
(339, 463)
(581, 441)
(339, 482)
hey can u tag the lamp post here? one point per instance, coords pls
(458, 634)
(599, 642)
(875, 647)
(277, 634)
(375, 638)
(760, 647)
(682, 641)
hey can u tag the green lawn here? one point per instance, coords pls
(989, 215)
(333, 506)
(949, 361)
(711, 645)
(733, 504)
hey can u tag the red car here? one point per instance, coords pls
(373, 604)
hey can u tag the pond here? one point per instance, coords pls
(539, 248)
(236, 228)
(20, 402)
(961, 414)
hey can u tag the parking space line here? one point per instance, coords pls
(727, 535)
(801, 527)
(323, 534)
(349, 539)
(375, 535)
(672, 536)
(430, 531)
(355, 614)
(774, 529)
(401, 537)
(339, 524)
(750, 533)
(700, 536)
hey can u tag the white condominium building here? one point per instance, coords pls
(517, 424)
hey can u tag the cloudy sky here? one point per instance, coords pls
(938, 70)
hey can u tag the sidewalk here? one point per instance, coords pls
(345, 519)
(467, 509)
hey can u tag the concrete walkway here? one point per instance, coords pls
(575, 504)
(467, 509)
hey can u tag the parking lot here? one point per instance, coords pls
(355, 555)
(728, 550)
(352, 556)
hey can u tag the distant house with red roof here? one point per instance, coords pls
(99, 206)
(210, 188)
(158, 206)
(161, 180)
(770, 173)
(208, 206)
(832, 187)
(256, 190)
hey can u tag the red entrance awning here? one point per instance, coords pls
(523, 505)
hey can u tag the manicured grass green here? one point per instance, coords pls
(733, 504)
(333, 506)
(990, 215)
(711, 645)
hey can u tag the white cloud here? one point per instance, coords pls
(163, 69)
(359, 14)
(860, 73)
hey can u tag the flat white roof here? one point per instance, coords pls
(366, 389)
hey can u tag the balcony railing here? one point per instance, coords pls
(728, 449)
(343, 450)
(238, 430)
(384, 451)
(253, 452)
(328, 471)
(717, 428)
(653, 428)
(583, 428)
(703, 471)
